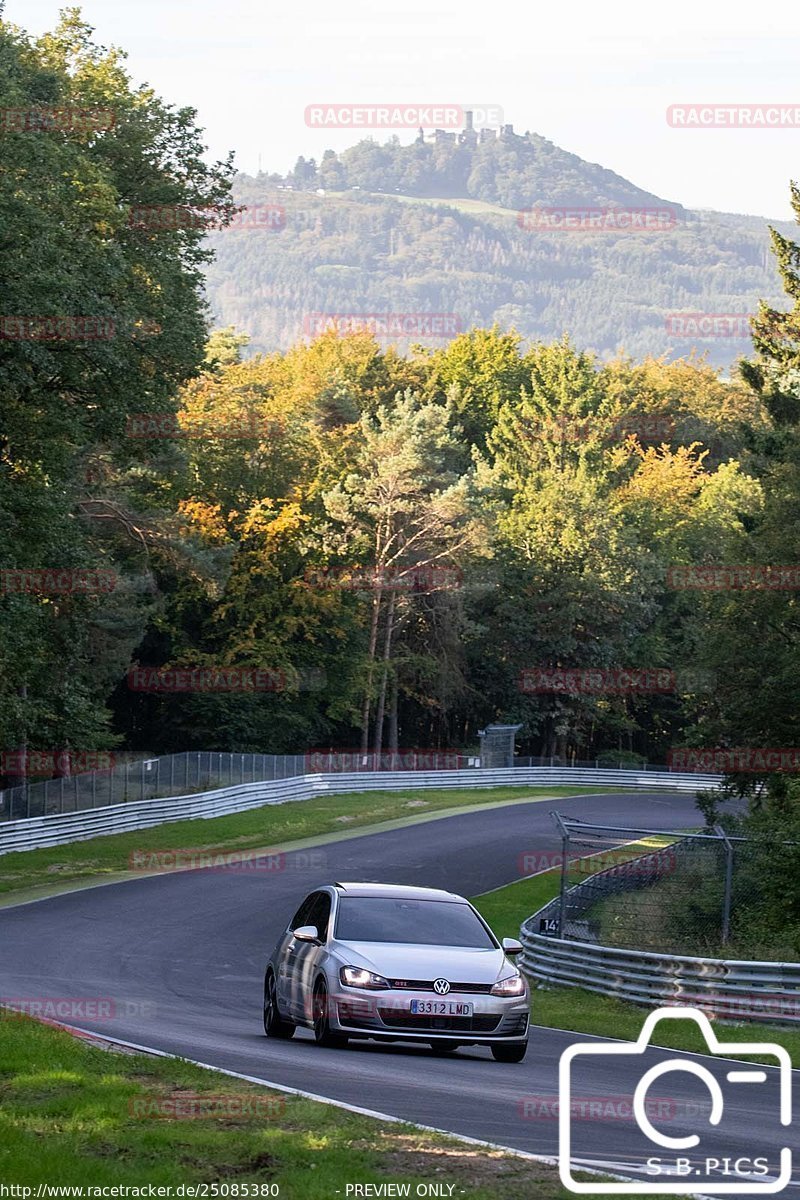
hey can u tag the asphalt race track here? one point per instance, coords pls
(180, 958)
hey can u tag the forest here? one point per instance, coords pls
(344, 545)
(453, 229)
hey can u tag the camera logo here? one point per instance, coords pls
(673, 1170)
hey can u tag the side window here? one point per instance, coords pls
(301, 916)
(320, 914)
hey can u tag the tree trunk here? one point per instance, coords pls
(373, 643)
(387, 652)
(393, 726)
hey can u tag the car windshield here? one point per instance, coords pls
(419, 922)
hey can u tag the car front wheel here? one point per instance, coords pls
(274, 1024)
(509, 1053)
(323, 1034)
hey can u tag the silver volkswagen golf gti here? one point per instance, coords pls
(372, 960)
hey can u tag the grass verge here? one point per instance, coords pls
(583, 1011)
(270, 826)
(73, 1114)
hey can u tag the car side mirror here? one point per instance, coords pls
(512, 946)
(307, 933)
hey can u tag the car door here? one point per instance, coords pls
(285, 957)
(304, 957)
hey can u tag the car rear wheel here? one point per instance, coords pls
(274, 1024)
(515, 1052)
(323, 1034)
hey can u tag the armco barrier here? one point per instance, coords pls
(728, 989)
(766, 991)
(57, 830)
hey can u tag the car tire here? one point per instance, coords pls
(323, 1034)
(509, 1053)
(444, 1047)
(274, 1024)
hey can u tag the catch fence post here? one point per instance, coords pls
(562, 897)
(726, 905)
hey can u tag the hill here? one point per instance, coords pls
(498, 230)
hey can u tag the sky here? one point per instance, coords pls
(595, 77)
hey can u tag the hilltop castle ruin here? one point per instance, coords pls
(468, 136)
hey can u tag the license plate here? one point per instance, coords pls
(441, 1008)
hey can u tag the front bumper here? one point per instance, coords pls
(387, 1015)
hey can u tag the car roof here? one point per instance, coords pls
(398, 890)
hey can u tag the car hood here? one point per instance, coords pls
(411, 961)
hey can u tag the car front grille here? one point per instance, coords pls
(426, 985)
(479, 1023)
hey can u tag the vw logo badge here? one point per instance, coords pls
(441, 987)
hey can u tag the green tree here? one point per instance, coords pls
(407, 515)
(126, 326)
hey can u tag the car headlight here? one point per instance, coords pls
(359, 978)
(513, 985)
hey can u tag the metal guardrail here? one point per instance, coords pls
(134, 775)
(60, 829)
(725, 988)
(521, 776)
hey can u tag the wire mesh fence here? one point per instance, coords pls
(145, 779)
(642, 889)
(151, 778)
